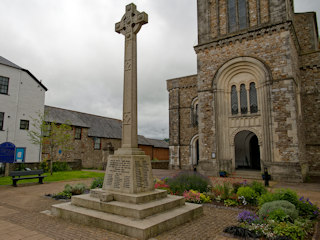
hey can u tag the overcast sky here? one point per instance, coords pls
(72, 47)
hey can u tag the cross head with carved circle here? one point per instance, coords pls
(131, 21)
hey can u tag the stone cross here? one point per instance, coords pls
(129, 26)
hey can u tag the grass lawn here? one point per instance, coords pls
(57, 176)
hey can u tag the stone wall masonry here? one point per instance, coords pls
(310, 98)
(277, 51)
(278, 11)
(284, 121)
(222, 17)
(264, 11)
(206, 125)
(253, 13)
(182, 92)
(272, 49)
(310, 60)
(305, 26)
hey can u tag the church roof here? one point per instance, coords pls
(98, 126)
(6, 62)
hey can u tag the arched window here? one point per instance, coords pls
(234, 100)
(195, 112)
(243, 99)
(253, 98)
(237, 15)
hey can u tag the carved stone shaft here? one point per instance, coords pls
(129, 26)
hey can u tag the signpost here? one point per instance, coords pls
(20, 154)
(7, 152)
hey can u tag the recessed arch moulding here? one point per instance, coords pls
(237, 71)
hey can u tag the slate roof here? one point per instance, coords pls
(6, 62)
(98, 126)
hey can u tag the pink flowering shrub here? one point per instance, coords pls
(196, 197)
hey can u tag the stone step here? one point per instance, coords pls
(247, 174)
(138, 228)
(136, 198)
(129, 209)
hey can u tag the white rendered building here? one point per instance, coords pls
(22, 98)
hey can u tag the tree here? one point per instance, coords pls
(51, 136)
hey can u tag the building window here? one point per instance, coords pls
(97, 143)
(4, 85)
(77, 134)
(237, 15)
(195, 112)
(24, 124)
(253, 98)
(1, 120)
(234, 100)
(243, 99)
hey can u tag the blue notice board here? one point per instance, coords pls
(7, 152)
(20, 154)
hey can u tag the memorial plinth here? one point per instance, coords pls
(128, 203)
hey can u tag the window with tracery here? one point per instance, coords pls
(237, 15)
(234, 100)
(253, 98)
(243, 99)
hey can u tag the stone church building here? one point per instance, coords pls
(255, 100)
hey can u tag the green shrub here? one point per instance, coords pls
(236, 186)
(248, 193)
(230, 203)
(97, 183)
(266, 197)
(258, 187)
(280, 194)
(287, 207)
(307, 209)
(291, 230)
(186, 181)
(44, 165)
(76, 189)
(62, 195)
(279, 215)
(288, 195)
(60, 167)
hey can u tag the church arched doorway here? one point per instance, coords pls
(247, 151)
(195, 151)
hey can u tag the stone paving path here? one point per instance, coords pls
(21, 217)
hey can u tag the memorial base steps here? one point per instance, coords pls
(144, 228)
(125, 209)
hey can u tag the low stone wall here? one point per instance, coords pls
(163, 164)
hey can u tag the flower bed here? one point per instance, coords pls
(273, 216)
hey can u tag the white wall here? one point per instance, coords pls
(25, 100)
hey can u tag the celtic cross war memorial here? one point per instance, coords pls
(128, 203)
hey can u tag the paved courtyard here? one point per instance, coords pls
(21, 217)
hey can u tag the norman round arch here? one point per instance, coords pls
(237, 65)
(237, 75)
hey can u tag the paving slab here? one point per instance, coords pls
(21, 217)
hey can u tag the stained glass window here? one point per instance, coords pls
(242, 13)
(243, 99)
(232, 15)
(237, 15)
(234, 100)
(253, 98)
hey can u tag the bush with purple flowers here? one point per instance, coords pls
(247, 217)
(307, 209)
